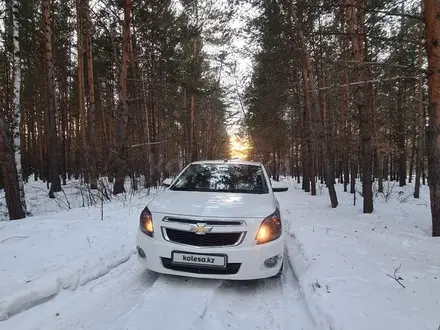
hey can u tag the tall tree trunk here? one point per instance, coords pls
(309, 140)
(318, 131)
(356, 31)
(432, 21)
(193, 140)
(380, 174)
(10, 177)
(411, 162)
(192, 130)
(420, 125)
(344, 107)
(65, 109)
(80, 80)
(305, 129)
(121, 164)
(274, 164)
(16, 118)
(401, 136)
(298, 174)
(92, 154)
(386, 168)
(54, 154)
(146, 132)
(354, 173)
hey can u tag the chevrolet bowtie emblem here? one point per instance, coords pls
(200, 229)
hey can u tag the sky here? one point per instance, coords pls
(240, 52)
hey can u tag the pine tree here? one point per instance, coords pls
(432, 21)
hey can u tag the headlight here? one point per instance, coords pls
(270, 228)
(146, 222)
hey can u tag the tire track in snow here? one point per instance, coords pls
(172, 303)
(97, 305)
(296, 309)
(244, 305)
(261, 304)
(45, 288)
(133, 298)
(127, 298)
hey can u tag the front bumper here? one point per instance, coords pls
(243, 262)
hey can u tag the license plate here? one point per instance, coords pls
(198, 259)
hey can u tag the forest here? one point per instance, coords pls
(339, 90)
(354, 85)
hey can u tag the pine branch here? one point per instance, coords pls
(393, 65)
(367, 35)
(146, 144)
(375, 11)
(362, 82)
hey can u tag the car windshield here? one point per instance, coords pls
(237, 178)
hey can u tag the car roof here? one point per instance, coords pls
(227, 161)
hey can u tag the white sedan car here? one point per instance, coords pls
(217, 219)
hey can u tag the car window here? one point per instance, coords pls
(241, 178)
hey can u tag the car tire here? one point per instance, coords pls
(278, 275)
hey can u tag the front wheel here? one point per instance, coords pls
(278, 275)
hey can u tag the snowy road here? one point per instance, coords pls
(132, 298)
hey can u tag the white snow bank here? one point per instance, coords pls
(344, 259)
(44, 288)
(42, 255)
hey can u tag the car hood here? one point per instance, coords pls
(213, 204)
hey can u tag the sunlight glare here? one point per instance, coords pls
(240, 147)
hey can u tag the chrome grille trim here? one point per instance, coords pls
(166, 238)
(209, 222)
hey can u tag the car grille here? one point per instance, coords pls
(231, 268)
(208, 222)
(209, 239)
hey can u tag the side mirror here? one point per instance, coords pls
(279, 187)
(167, 182)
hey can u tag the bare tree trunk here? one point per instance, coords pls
(10, 177)
(274, 164)
(357, 39)
(192, 130)
(386, 167)
(354, 173)
(344, 107)
(432, 21)
(298, 174)
(123, 105)
(52, 106)
(411, 162)
(16, 121)
(420, 127)
(401, 137)
(380, 174)
(305, 125)
(193, 140)
(310, 143)
(80, 74)
(92, 154)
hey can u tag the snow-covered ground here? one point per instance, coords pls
(347, 262)
(76, 269)
(62, 249)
